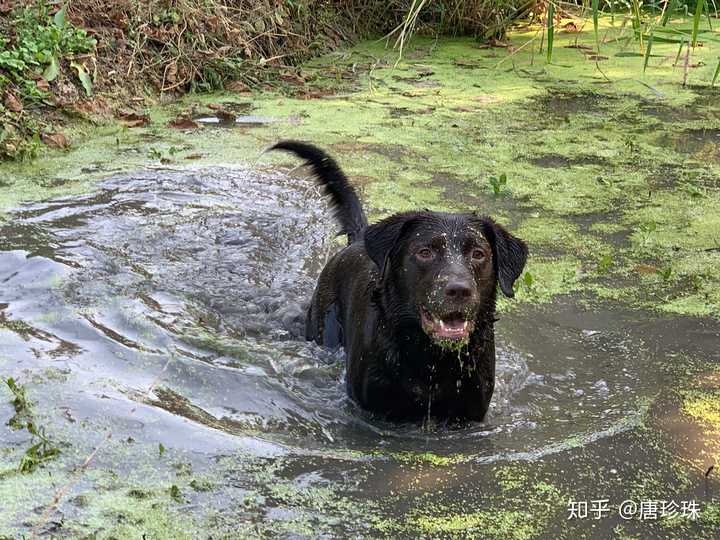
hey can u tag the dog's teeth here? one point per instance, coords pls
(442, 324)
(465, 326)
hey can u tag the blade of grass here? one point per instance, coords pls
(637, 25)
(696, 21)
(595, 5)
(715, 76)
(406, 28)
(669, 9)
(647, 52)
(677, 58)
(707, 14)
(550, 30)
(686, 33)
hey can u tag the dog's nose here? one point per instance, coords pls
(458, 290)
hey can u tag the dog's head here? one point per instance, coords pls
(440, 271)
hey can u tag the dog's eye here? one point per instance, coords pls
(477, 255)
(425, 254)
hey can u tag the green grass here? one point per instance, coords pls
(28, 63)
(42, 449)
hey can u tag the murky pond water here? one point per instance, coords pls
(198, 278)
(165, 309)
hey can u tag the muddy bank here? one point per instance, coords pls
(84, 60)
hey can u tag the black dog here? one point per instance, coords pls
(412, 301)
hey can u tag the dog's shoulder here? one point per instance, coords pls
(342, 288)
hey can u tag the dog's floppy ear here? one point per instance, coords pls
(509, 254)
(380, 238)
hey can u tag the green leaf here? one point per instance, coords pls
(715, 76)
(497, 183)
(696, 21)
(605, 263)
(707, 14)
(52, 70)
(595, 4)
(647, 52)
(550, 30)
(59, 18)
(679, 30)
(669, 9)
(680, 48)
(636, 22)
(84, 77)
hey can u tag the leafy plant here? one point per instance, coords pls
(166, 16)
(595, 10)
(646, 230)
(21, 404)
(647, 52)
(526, 282)
(42, 450)
(715, 75)
(176, 494)
(41, 42)
(497, 183)
(39, 452)
(680, 48)
(605, 263)
(696, 21)
(695, 191)
(550, 30)
(84, 77)
(631, 145)
(30, 58)
(648, 227)
(665, 273)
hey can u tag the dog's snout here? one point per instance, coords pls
(458, 290)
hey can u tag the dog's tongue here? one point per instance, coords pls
(453, 327)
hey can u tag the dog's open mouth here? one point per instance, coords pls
(453, 326)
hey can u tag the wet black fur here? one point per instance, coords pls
(362, 303)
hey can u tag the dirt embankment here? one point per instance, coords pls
(88, 58)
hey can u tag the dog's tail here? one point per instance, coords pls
(345, 203)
